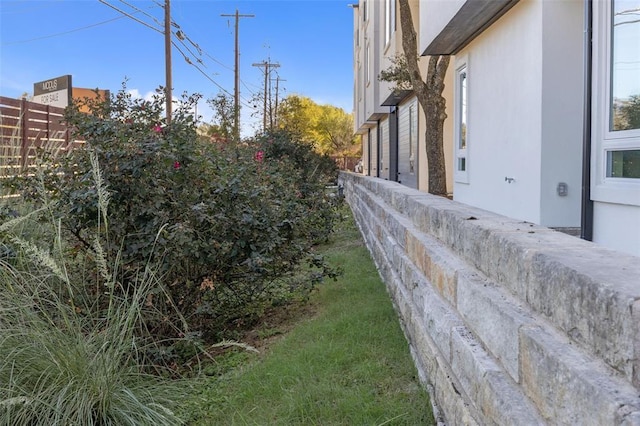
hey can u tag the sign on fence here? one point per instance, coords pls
(55, 91)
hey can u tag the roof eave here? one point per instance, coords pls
(471, 20)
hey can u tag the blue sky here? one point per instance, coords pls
(310, 39)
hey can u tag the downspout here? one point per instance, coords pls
(393, 143)
(586, 216)
(369, 152)
(378, 148)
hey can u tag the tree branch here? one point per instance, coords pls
(410, 44)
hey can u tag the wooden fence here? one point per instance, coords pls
(25, 129)
(346, 163)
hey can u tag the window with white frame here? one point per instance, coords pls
(461, 167)
(616, 102)
(367, 71)
(389, 20)
(359, 88)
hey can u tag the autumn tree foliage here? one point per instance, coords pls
(327, 128)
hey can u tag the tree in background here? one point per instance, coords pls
(405, 70)
(627, 114)
(328, 128)
(221, 127)
(335, 128)
(299, 115)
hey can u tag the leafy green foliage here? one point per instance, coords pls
(397, 73)
(233, 227)
(222, 126)
(325, 127)
(626, 115)
(347, 364)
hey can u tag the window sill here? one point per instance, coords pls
(617, 191)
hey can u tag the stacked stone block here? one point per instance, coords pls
(508, 322)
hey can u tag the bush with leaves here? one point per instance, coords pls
(232, 226)
(311, 173)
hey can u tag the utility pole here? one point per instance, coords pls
(270, 105)
(267, 71)
(167, 52)
(236, 105)
(278, 80)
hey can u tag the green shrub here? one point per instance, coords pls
(233, 227)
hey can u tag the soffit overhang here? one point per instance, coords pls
(396, 97)
(371, 122)
(473, 17)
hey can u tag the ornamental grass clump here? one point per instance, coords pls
(57, 367)
(67, 357)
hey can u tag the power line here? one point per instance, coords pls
(218, 62)
(180, 38)
(180, 35)
(131, 16)
(248, 88)
(143, 12)
(199, 49)
(205, 74)
(247, 103)
(63, 33)
(172, 42)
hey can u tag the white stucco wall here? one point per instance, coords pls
(562, 111)
(434, 16)
(504, 115)
(375, 91)
(617, 226)
(525, 114)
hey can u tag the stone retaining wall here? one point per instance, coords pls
(508, 322)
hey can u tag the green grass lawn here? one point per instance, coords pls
(344, 362)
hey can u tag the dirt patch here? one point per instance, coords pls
(278, 322)
(272, 326)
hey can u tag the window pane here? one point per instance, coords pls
(462, 164)
(387, 21)
(462, 143)
(625, 66)
(623, 164)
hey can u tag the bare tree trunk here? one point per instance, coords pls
(429, 94)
